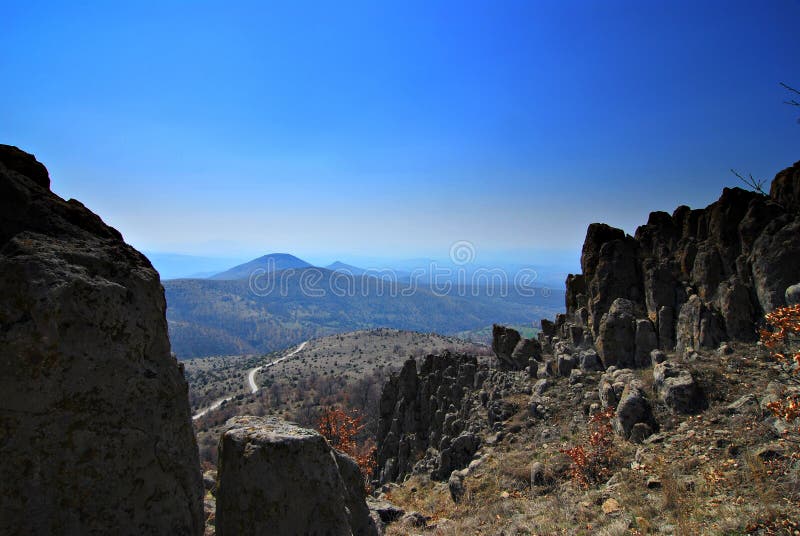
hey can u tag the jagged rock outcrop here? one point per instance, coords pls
(95, 428)
(276, 478)
(699, 276)
(425, 410)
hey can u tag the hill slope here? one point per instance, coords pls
(213, 317)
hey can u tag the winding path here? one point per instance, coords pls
(251, 381)
(251, 376)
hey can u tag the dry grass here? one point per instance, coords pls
(704, 476)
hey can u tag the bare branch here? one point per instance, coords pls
(790, 88)
(753, 183)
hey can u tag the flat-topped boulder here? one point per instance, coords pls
(277, 478)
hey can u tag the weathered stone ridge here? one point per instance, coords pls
(427, 410)
(276, 478)
(699, 276)
(95, 429)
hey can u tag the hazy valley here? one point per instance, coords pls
(294, 302)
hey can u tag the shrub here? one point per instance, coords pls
(342, 429)
(593, 460)
(783, 340)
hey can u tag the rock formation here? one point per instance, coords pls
(95, 429)
(512, 350)
(699, 277)
(277, 478)
(426, 410)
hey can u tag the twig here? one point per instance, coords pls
(752, 182)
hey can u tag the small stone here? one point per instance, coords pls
(657, 356)
(653, 482)
(537, 474)
(725, 349)
(414, 519)
(611, 506)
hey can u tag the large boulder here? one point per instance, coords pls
(617, 275)
(276, 478)
(95, 426)
(676, 388)
(634, 412)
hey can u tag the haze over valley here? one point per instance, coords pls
(278, 300)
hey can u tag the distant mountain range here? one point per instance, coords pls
(423, 270)
(234, 313)
(346, 268)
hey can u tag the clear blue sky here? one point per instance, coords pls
(395, 129)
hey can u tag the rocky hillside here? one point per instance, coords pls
(95, 430)
(642, 410)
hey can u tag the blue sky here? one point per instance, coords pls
(393, 129)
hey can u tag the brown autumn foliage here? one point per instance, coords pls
(783, 339)
(342, 430)
(592, 461)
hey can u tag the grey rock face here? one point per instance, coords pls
(525, 350)
(698, 326)
(95, 428)
(418, 411)
(457, 455)
(677, 388)
(666, 328)
(279, 479)
(616, 340)
(776, 262)
(646, 342)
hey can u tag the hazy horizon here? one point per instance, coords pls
(370, 130)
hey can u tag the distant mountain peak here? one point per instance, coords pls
(272, 262)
